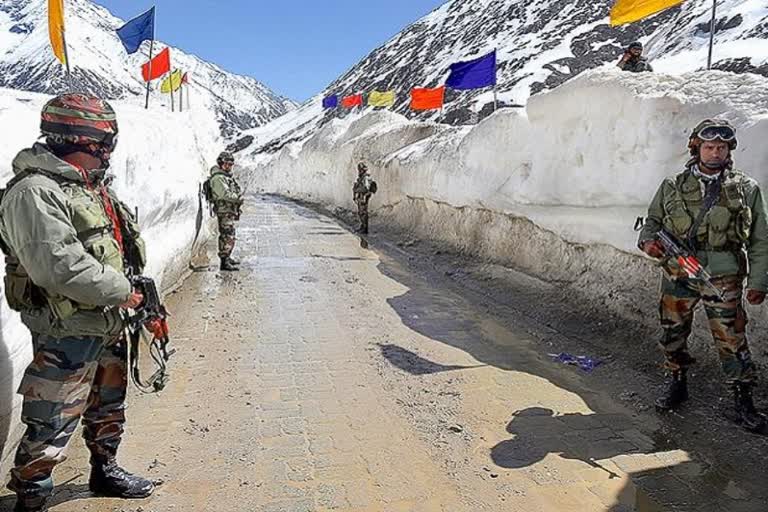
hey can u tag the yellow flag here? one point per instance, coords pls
(172, 82)
(627, 11)
(381, 99)
(56, 29)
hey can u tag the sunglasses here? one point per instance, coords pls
(724, 133)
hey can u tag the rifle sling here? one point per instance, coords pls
(710, 200)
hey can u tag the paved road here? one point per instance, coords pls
(327, 375)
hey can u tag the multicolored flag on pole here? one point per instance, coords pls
(138, 30)
(427, 99)
(56, 30)
(381, 99)
(628, 11)
(473, 74)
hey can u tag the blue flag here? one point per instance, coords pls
(473, 74)
(138, 30)
(331, 101)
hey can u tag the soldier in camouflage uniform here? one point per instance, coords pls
(227, 203)
(361, 193)
(633, 59)
(720, 214)
(64, 234)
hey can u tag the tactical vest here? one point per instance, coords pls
(226, 206)
(729, 223)
(94, 230)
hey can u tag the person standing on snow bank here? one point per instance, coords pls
(65, 237)
(227, 198)
(633, 59)
(719, 215)
(362, 190)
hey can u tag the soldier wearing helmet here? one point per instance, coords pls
(633, 59)
(719, 214)
(227, 198)
(362, 190)
(66, 237)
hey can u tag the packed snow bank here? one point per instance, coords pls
(553, 189)
(159, 162)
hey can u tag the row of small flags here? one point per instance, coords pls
(132, 35)
(472, 74)
(481, 72)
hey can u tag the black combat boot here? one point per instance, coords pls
(746, 414)
(676, 393)
(109, 479)
(38, 506)
(227, 265)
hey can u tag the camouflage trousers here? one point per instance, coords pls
(226, 234)
(362, 212)
(68, 378)
(727, 322)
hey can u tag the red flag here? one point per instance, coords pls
(352, 101)
(160, 65)
(184, 79)
(427, 99)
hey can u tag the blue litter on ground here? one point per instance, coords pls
(585, 363)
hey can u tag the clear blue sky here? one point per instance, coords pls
(295, 47)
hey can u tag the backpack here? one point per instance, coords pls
(374, 187)
(207, 192)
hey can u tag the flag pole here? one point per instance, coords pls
(149, 73)
(181, 95)
(66, 56)
(170, 82)
(712, 33)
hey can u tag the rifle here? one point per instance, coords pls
(151, 316)
(151, 313)
(675, 249)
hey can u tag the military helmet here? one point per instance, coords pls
(709, 130)
(225, 157)
(361, 167)
(80, 119)
(635, 45)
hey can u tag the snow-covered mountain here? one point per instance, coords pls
(540, 45)
(101, 65)
(543, 43)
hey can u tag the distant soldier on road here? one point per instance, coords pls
(227, 198)
(633, 59)
(363, 189)
(718, 214)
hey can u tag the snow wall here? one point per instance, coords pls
(553, 189)
(159, 162)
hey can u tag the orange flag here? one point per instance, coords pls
(352, 101)
(427, 99)
(160, 65)
(56, 29)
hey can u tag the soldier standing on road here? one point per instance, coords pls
(720, 214)
(65, 238)
(227, 204)
(361, 193)
(633, 59)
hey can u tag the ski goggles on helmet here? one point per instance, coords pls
(717, 132)
(109, 142)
